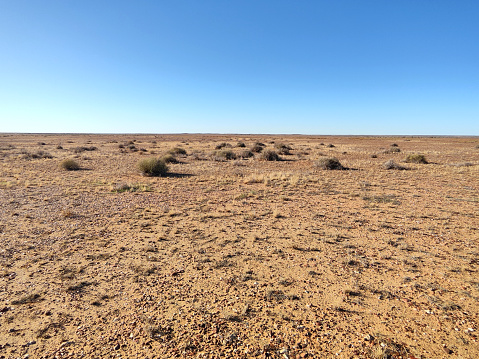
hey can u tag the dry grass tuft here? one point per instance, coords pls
(329, 163)
(70, 165)
(269, 155)
(391, 165)
(416, 158)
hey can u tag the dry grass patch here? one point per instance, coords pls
(391, 165)
(70, 165)
(416, 158)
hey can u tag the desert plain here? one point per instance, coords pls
(234, 256)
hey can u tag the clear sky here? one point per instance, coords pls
(240, 66)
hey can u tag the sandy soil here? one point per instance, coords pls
(238, 258)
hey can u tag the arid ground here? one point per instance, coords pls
(238, 258)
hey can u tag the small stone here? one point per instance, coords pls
(116, 347)
(447, 350)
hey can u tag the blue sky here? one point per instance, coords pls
(250, 66)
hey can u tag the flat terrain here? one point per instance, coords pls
(238, 258)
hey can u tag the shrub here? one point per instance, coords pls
(269, 155)
(245, 154)
(70, 165)
(283, 149)
(83, 149)
(177, 151)
(240, 144)
(257, 148)
(391, 150)
(153, 167)
(329, 163)
(391, 165)
(169, 158)
(416, 158)
(222, 145)
(39, 154)
(224, 155)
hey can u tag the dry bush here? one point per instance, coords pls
(169, 158)
(416, 158)
(240, 144)
(153, 167)
(70, 165)
(257, 147)
(269, 155)
(391, 150)
(223, 145)
(224, 155)
(391, 165)
(329, 163)
(39, 154)
(177, 151)
(283, 149)
(245, 154)
(83, 149)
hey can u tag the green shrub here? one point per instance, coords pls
(269, 155)
(416, 158)
(153, 167)
(329, 163)
(70, 165)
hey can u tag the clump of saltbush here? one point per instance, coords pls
(416, 158)
(223, 145)
(245, 154)
(283, 149)
(391, 165)
(329, 163)
(70, 165)
(169, 158)
(257, 147)
(153, 167)
(177, 151)
(240, 144)
(269, 155)
(224, 155)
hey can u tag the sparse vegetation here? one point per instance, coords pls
(223, 145)
(177, 151)
(70, 165)
(282, 148)
(169, 158)
(153, 167)
(257, 147)
(269, 155)
(83, 149)
(246, 154)
(329, 163)
(416, 158)
(224, 155)
(391, 165)
(36, 155)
